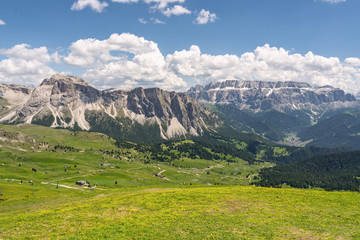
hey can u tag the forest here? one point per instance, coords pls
(339, 171)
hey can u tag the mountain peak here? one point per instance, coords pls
(64, 79)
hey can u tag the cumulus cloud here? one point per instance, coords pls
(352, 62)
(26, 65)
(127, 61)
(95, 5)
(333, 1)
(205, 16)
(267, 63)
(145, 67)
(2, 22)
(177, 10)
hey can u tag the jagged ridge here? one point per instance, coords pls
(261, 95)
(70, 102)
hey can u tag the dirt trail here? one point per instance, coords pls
(62, 185)
(159, 174)
(71, 187)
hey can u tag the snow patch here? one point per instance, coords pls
(270, 92)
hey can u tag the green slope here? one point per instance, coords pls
(159, 190)
(66, 156)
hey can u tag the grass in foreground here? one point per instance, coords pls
(215, 212)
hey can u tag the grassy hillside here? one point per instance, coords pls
(45, 156)
(179, 213)
(162, 190)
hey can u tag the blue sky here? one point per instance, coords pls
(180, 43)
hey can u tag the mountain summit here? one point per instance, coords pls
(70, 102)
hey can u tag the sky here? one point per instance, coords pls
(176, 44)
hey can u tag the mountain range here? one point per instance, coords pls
(281, 96)
(70, 102)
(290, 113)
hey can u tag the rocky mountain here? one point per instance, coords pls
(138, 114)
(292, 113)
(281, 96)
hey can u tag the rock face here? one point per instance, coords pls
(70, 102)
(13, 95)
(260, 95)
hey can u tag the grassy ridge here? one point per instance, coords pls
(184, 213)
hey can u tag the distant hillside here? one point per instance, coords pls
(271, 124)
(342, 129)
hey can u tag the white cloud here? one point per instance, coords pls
(140, 63)
(333, 1)
(152, 20)
(147, 67)
(125, 1)
(2, 22)
(95, 5)
(174, 7)
(353, 62)
(267, 63)
(205, 16)
(157, 21)
(162, 4)
(177, 10)
(142, 20)
(127, 61)
(25, 65)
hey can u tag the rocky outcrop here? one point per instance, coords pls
(260, 95)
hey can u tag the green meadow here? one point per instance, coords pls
(211, 212)
(131, 195)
